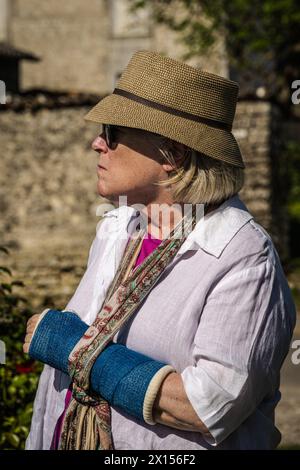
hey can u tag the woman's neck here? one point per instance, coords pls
(161, 220)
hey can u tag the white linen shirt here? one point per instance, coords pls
(221, 314)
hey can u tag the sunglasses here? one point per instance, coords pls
(109, 134)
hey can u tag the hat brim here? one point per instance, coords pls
(213, 142)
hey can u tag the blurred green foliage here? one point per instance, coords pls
(19, 375)
(261, 37)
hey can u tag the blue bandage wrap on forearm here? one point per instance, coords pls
(55, 337)
(120, 375)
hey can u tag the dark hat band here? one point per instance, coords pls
(175, 112)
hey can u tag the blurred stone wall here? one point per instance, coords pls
(48, 196)
(257, 129)
(84, 46)
(71, 39)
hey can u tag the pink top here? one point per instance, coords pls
(148, 245)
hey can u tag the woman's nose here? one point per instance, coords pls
(99, 144)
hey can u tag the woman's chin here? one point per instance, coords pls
(101, 190)
(107, 195)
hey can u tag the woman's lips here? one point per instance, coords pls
(99, 167)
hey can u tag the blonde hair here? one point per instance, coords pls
(200, 179)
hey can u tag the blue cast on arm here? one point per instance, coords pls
(55, 337)
(120, 375)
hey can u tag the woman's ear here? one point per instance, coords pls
(167, 167)
(179, 152)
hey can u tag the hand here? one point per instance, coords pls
(30, 328)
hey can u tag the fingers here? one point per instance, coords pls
(26, 344)
(28, 338)
(31, 323)
(32, 320)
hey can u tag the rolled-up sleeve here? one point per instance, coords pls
(242, 338)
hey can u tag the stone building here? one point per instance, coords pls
(84, 46)
(10, 59)
(48, 196)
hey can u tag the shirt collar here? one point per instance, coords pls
(212, 233)
(215, 230)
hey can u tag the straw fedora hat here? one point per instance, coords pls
(168, 97)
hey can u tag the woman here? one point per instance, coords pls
(176, 334)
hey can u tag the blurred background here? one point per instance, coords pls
(57, 59)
